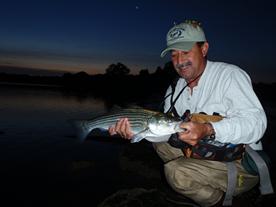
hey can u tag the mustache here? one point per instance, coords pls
(182, 65)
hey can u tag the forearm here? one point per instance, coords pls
(244, 127)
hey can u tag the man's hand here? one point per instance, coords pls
(122, 128)
(194, 132)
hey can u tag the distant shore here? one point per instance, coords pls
(30, 84)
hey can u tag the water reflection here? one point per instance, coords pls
(46, 100)
(34, 122)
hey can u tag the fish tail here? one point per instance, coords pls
(82, 131)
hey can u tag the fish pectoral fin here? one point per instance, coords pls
(138, 137)
(163, 138)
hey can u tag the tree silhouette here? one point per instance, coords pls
(118, 69)
(159, 71)
(144, 73)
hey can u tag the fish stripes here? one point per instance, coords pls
(144, 123)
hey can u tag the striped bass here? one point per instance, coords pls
(145, 124)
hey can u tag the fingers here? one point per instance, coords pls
(122, 127)
(128, 134)
(193, 133)
(188, 138)
(118, 127)
(112, 130)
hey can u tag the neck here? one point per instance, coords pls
(194, 82)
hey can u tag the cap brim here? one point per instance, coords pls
(185, 46)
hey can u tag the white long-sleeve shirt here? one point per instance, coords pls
(227, 90)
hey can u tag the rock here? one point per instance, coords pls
(136, 197)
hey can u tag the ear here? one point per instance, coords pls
(204, 48)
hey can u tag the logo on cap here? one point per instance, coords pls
(176, 33)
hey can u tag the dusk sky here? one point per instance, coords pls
(90, 35)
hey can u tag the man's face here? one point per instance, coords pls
(189, 64)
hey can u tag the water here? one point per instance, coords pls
(40, 158)
(34, 123)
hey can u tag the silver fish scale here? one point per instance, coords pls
(136, 118)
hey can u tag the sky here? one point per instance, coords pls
(79, 35)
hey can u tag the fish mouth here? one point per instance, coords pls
(178, 128)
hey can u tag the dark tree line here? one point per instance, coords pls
(118, 84)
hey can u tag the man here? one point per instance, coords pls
(209, 87)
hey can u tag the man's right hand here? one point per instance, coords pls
(122, 128)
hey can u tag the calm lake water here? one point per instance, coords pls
(34, 123)
(41, 159)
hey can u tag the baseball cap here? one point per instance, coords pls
(183, 36)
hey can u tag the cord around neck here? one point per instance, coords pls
(174, 101)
